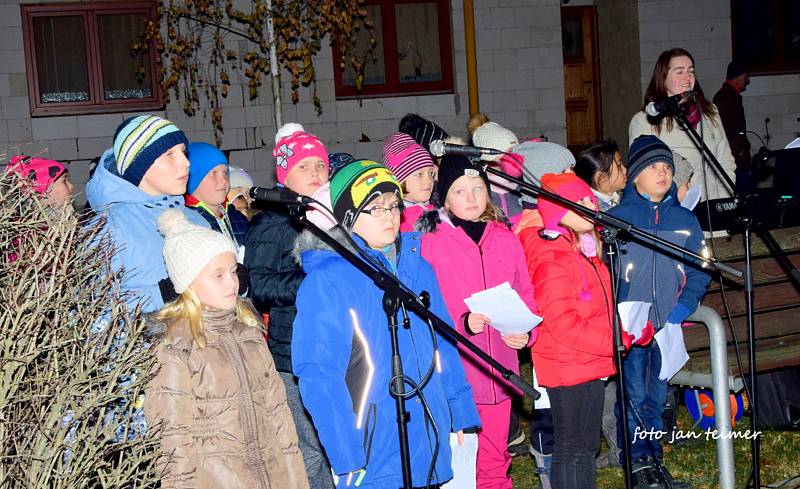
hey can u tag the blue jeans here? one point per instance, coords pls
(314, 459)
(646, 398)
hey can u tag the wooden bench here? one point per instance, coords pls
(776, 301)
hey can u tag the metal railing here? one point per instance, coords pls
(721, 384)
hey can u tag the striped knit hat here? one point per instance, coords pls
(139, 142)
(646, 150)
(404, 156)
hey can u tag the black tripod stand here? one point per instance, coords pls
(397, 296)
(613, 226)
(748, 220)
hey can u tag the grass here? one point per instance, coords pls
(696, 461)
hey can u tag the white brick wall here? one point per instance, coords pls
(520, 82)
(704, 29)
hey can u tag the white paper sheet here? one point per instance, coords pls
(673, 350)
(505, 308)
(691, 199)
(633, 315)
(793, 144)
(544, 400)
(463, 462)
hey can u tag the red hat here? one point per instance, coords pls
(566, 185)
(41, 172)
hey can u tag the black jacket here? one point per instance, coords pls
(275, 277)
(731, 111)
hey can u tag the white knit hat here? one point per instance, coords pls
(188, 248)
(493, 135)
(240, 178)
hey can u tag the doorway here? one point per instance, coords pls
(581, 76)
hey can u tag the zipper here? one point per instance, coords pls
(488, 336)
(654, 291)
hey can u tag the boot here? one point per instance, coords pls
(543, 463)
(665, 478)
(644, 475)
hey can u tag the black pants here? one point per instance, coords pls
(577, 418)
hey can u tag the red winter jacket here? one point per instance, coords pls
(575, 342)
(463, 268)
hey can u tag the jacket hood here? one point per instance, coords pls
(429, 220)
(107, 188)
(309, 250)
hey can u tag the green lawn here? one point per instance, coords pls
(695, 462)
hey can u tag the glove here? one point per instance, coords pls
(678, 314)
(627, 340)
(647, 335)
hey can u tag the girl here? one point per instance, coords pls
(341, 347)
(601, 167)
(488, 134)
(575, 346)
(471, 249)
(673, 75)
(221, 405)
(48, 178)
(275, 276)
(413, 167)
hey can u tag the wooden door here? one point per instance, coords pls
(581, 75)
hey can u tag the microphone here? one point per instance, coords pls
(668, 105)
(440, 148)
(278, 195)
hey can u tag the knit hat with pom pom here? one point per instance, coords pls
(292, 145)
(188, 248)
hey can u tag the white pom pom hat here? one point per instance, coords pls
(188, 248)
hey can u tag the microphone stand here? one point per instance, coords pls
(612, 227)
(747, 221)
(397, 295)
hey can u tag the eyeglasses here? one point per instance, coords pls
(379, 211)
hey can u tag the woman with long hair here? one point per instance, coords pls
(674, 74)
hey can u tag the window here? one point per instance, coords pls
(413, 53)
(766, 35)
(79, 60)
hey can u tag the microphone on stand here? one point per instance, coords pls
(440, 148)
(278, 195)
(668, 105)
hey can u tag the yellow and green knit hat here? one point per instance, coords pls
(357, 184)
(138, 143)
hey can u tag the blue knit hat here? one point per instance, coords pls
(138, 143)
(203, 157)
(646, 150)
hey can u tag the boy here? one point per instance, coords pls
(141, 176)
(207, 193)
(341, 348)
(674, 287)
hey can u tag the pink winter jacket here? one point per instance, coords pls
(411, 215)
(464, 268)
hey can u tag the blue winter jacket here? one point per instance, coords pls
(341, 353)
(131, 220)
(650, 276)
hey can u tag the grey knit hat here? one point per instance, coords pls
(539, 158)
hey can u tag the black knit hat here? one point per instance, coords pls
(451, 169)
(422, 130)
(646, 150)
(735, 68)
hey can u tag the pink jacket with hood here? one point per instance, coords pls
(463, 268)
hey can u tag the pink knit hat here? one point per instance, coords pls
(41, 172)
(292, 145)
(566, 185)
(403, 156)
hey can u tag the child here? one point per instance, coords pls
(601, 167)
(675, 288)
(413, 167)
(574, 352)
(422, 130)
(489, 134)
(207, 193)
(222, 408)
(275, 277)
(239, 194)
(472, 249)
(341, 347)
(141, 176)
(48, 178)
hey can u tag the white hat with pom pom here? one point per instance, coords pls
(188, 248)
